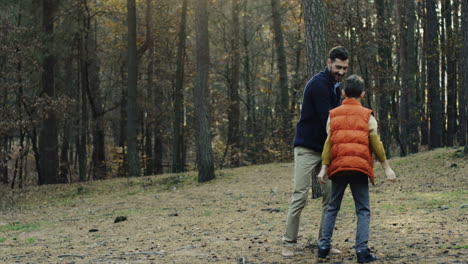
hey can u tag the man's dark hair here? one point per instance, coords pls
(338, 52)
(354, 86)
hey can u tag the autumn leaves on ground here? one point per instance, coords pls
(237, 218)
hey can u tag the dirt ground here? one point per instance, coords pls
(237, 218)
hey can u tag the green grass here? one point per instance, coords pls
(19, 227)
(3, 239)
(30, 240)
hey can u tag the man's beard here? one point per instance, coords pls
(337, 76)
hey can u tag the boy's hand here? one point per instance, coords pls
(390, 175)
(321, 176)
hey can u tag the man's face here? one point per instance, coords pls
(338, 68)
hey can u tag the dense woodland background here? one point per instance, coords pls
(96, 89)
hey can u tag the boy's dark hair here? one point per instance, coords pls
(338, 52)
(354, 86)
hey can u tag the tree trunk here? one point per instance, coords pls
(432, 55)
(413, 115)
(148, 140)
(48, 140)
(249, 140)
(234, 99)
(178, 121)
(200, 94)
(423, 89)
(283, 93)
(384, 62)
(132, 122)
(403, 106)
(93, 92)
(315, 36)
(463, 91)
(316, 51)
(451, 77)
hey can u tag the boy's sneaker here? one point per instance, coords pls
(288, 249)
(335, 251)
(323, 252)
(364, 256)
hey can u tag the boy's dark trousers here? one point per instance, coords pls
(360, 191)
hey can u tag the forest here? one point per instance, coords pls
(100, 89)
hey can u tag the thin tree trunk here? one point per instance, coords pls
(413, 116)
(403, 106)
(48, 139)
(234, 99)
(463, 91)
(148, 140)
(423, 105)
(283, 93)
(178, 122)
(132, 122)
(384, 62)
(451, 77)
(432, 55)
(200, 94)
(249, 141)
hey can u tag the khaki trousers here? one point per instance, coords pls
(307, 164)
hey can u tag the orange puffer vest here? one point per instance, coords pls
(350, 151)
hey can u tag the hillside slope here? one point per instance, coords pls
(238, 217)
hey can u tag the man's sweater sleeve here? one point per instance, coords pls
(375, 142)
(327, 146)
(320, 96)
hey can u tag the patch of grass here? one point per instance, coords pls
(465, 246)
(3, 239)
(207, 213)
(17, 226)
(30, 240)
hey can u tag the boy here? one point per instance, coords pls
(347, 157)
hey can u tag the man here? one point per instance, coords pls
(322, 93)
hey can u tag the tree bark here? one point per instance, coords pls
(315, 36)
(178, 121)
(413, 115)
(385, 64)
(234, 99)
(432, 55)
(403, 103)
(463, 91)
(451, 76)
(316, 51)
(149, 161)
(48, 140)
(200, 94)
(132, 122)
(283, 93)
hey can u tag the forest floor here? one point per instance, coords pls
(237, 218)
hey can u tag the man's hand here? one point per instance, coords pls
(321, 176)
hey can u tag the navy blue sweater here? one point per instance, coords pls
(320, 96)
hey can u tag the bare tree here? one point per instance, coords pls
(432, 55)
(48, 139)
(178, 146)
(200, 94)
(283, 102)
(132, 148)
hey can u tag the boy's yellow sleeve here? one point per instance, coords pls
(326, 146)
(374, 140)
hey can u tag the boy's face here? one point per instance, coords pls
(338, 68)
